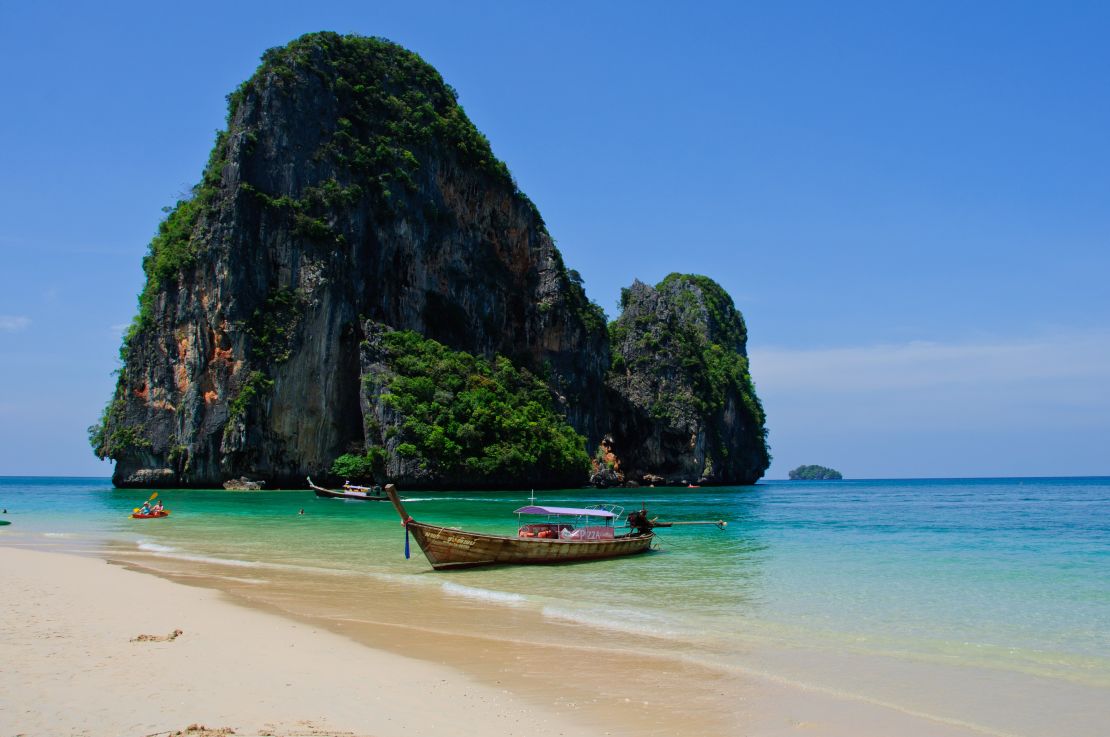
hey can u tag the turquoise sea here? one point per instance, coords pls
(1000, 581)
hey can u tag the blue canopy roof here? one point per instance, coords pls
(565, 511)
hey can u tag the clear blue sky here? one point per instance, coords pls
(910, 202)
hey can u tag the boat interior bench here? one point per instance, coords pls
(566, 532)
(543, 529)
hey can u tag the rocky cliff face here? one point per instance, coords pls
(683, 408)
(349, 186)
(349, 199)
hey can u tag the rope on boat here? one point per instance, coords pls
(406, 524)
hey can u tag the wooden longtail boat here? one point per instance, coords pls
(558, 541)
(350, 491)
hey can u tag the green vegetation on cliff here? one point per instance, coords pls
(368, 466)
(815, 473)
(121, 438)
(471, 420)
(391, 102)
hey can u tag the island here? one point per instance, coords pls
(356, 289)
(815, 473)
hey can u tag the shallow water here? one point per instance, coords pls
(1009, 577)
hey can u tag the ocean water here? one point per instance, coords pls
(999, 576)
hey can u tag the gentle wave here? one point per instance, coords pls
(162, 551)
(155, 547)
(627, 621)
(217, 561)
(174, 554)
(58, 534)
(240, 579)
(470, 592)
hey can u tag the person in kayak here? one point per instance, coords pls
(157, 508)
(145, 509)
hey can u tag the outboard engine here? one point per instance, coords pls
(638, 520)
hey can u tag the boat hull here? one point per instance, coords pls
(329, 494)
(448, 548)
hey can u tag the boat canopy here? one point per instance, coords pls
(566, 511)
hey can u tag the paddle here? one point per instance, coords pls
(152, 498)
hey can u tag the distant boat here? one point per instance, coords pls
(567, 535)
(350, 491)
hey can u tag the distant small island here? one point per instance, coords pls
(815, 473)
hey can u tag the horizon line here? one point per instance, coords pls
(714, 486)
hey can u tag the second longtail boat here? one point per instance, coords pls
(350, 491)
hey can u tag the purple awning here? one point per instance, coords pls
(566, 511)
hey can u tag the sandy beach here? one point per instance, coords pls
(72, 666)
(77, 663)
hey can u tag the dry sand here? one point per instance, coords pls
(72, 665)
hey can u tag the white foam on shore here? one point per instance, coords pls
(240, 579)
(626, 621)
(471, 592)
(155, 547)
(162, 551)
(58, 534)
(218, 561)
(174, 554)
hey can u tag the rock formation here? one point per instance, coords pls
(349, 185)
(349, 190)
(682, 401)
(243, 484)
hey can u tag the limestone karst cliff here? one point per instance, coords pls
(682, 402)
(349, 194)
